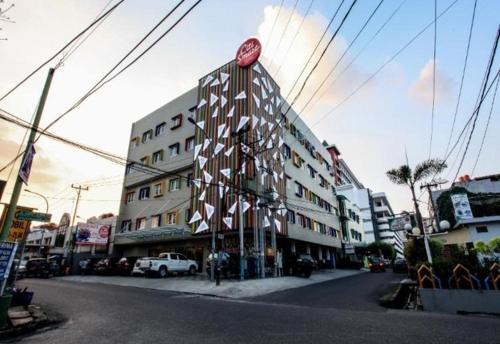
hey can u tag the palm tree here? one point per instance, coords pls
(404, 175)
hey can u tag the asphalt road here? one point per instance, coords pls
(341, 311)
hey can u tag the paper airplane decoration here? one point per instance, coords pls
(202, 196)
(220, 130)
(216, 112)
(215, 83)
(209, 210)
(273, 136)
(271, 126)
(206, 143)
(263, 121)
(208, 177)
(202, 160)
(226, 133)
(201, 125)
(257, 68)
(256, 81)
(224, 77)
(233, 208)
(218, 148)
(266, 222)
(226, 86)
(228, 221)
(241, 95)
(255, 121)
(226, 172)
(256, 100)
(246, 206)
(197, 150)
(197, 182)
(213, 99)
(275, 176)
(221, 190)
(229, 151)
(278, 225)
(203, 226)
(202, 102)
(270, 87)
(231, 112)
(243, 167)
(264, 93)
(269, 144)
(280, 142)
(207, 80)
(196, 216)
(223, 101)
(275, 156)
(243, 121)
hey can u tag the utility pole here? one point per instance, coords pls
(31, 140)
(79, 189)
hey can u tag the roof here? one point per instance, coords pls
(476, 220)
(334, 148)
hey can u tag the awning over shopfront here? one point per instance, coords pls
(154, 235)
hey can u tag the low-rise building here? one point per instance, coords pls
(384, 213)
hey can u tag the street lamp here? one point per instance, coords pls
(445, 225)
(46, 212)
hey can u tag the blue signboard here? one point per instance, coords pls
(7, 251)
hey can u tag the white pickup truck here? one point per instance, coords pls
(164, 264)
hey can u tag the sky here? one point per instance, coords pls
(388, 116)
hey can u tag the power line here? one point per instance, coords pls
(62, 49)
(274, 24)
(490, 65)
(486, 128)
(359, 53)
(462, 78)
(294, 38)
(433, 78)
(342, 56)
(283, 32)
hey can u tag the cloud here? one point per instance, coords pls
(285, 64)
(421, 90)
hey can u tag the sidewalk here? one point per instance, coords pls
(227, 288)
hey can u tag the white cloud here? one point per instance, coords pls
(420, 91)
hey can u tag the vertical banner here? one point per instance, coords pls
(462, 207)
(7, 252)
(24, 172)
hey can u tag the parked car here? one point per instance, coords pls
(400, 266)
(38, 267)
(299, 264)
(165, 264)
(106, 266)
(376, 264)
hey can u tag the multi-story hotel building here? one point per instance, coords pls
(224, 157)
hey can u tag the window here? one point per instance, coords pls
(172, 218)
(174, 149)
(332, 232)
(160, 129)
(482, 229)
(189, 143)
(312, 171)
(128, 168)
(146, 136)
(140, 223)
(145, 160)
(157, 157)
(134, 142)
(176, 122)
(174, 184)
(308, 223)
(301, 220)
(130, 197)
(189, 180)
(297, 161)
(126, 225)
(144, 193)
(155, 221)
(299, 189)
(378, 203)
(287, 152)
(290, 216)
(293, 130)
(158, 189)
(288, 181)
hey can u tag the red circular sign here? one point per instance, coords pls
(248, 52)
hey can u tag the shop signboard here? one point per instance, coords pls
(461, 206)
(19, 228)
(92, 234)
(7, 252)
(248, 52)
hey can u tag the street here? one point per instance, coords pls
(343, 310)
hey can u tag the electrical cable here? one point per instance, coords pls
(283, 33)
(274, 24)
(433, 78)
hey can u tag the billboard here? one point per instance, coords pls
(19, 229)
(398, 223)
(461, 206)
(92, 234)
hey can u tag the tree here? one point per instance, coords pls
(482, 247)
(379, 246)
(404, 175)
(495, 244)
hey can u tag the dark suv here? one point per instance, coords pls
(38, 267)
(299, 264)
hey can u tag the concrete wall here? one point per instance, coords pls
(493, 231)
(459, 236)
(461, 300)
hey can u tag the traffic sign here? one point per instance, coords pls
(33, 216)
